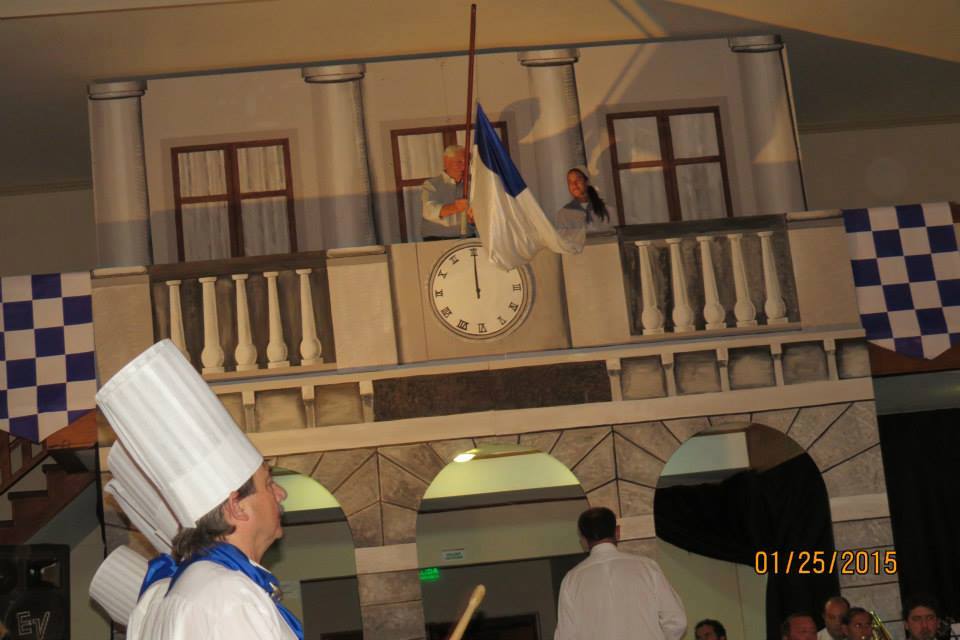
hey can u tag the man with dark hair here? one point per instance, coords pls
(834, 612)
(798, 626)
(859, 623)
(921, 617)
(219, 489)
(615, 595)
(709, 629)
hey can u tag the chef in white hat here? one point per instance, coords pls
(221, 492)
(116, 584)
(145, 508)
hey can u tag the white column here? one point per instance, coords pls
(346, 205)
(176, 317)
(650, 316)
(212, 355)
(713, 312)
(245, 353)
(682, 311)
(773, 305)
(771, 131)
(556, 134)
(119, 173)
(744, 310)
(276, 347)
(309, 344)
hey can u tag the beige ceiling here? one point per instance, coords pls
(49, 59)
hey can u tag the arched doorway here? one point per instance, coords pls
(316, 560)
(504, 516)
(726, 494)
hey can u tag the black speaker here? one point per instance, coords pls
(35, 591)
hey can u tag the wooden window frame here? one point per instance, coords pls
(233, 197)
(667, 162)
(449, 133)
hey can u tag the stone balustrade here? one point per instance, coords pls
(243, 315)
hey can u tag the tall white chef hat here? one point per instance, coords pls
(140, 500)
(177, 431)
(116, 584)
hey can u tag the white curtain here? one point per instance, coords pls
(265, 226)
(206, 225)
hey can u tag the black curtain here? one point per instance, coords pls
(921, 459)
(780, 510)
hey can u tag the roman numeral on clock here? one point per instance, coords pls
(438, 293)
(513, 306)
(481, 327)
(446, 312)
(463, 324)
(517, 287)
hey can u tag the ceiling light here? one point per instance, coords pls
(464, 457)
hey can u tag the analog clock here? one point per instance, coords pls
(475, 299)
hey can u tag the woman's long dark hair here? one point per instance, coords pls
(596, 202)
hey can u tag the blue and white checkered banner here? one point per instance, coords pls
(47, 373)
(906, 269)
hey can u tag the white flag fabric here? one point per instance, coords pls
(511, 223)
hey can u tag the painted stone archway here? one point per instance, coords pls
(380, 490)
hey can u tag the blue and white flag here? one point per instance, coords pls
(511, 223)
(906, 270)
(47, 373)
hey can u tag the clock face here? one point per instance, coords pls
(475, 299)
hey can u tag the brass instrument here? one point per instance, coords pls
(879, 631)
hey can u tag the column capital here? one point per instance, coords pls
(755, 44)
(114, 90)
(324, 74)
(548, 57)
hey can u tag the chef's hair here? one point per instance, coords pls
(211, 528)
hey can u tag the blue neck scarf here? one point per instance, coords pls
(163, 566)
(227, 555)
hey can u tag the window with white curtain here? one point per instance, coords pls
(233, 199)
(418, 155)
(669, 165)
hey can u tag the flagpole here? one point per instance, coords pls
(467, 151)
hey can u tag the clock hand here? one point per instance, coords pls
(476, 278)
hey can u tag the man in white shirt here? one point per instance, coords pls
(441, 197)
(615, 595)
(834, 613)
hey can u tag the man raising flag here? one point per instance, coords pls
(511, 223)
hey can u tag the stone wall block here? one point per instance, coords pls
(303, 463)
(361, 489)
(654, 437)
(860, 475)
(397, 621)
(781, 419)
(605, 496)
(635, 500)
(400, 487)
(574, 444)
(336, 466)
(854, 431)
(597, 468)
(399, 524)
(367, 527)
(543, 441)
(385, 588)
(812, 421)
(418, 459)
(447, 449)
(684, 428)
(635, 464)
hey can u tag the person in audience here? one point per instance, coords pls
(859, 624)
(441, 198)
(921, 617)
(834, 612)
(708, 629)
(586, 213)
(615, 595)
(798, 626)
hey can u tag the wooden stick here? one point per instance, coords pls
(470, 57)
(476, 598)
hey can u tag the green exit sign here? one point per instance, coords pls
(430, 574)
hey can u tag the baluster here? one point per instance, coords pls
(744, 310)
(310, 345)
(773, 306)
(713, 312)
(245, 353)
(212, 355)
(276, 347)
(650, 316)
(682, 311)
(176, 318)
